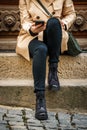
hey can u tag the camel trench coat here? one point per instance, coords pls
(30, 10)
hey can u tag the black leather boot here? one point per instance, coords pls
(41, 112)
(53, 80)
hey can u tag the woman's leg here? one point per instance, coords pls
(38, 52)
(52, 38)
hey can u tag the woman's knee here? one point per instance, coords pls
(42, 50)
(53, 22)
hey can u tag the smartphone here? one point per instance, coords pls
(37, 22)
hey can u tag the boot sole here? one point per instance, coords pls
(53, 88)
(41, 116)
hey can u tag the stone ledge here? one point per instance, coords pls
(63, 83)
(72, 95)
(15, 66)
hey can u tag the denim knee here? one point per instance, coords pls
(42, 50)
(53, 22)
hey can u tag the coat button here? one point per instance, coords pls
(53, 12)
(38, 17)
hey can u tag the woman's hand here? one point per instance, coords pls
(63, 25)
(38, 28)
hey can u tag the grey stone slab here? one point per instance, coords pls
(34, 123)
(51, 125)
(82, 126)
(81, 129)
(13, 118)
(28, 110)
(80, 116)
(14, 123)
(79, 123)
(51, 115)
(3, 127)
(1, 116)
(68, 129)
(64, 118)
(49, 121)
(52, 129)
(30, 114)
(3, 110)
(15, 111)
(3, 122)
(18, 128)
(35, 128)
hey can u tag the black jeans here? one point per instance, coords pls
(39, 50)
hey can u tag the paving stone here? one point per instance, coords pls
(34, 123)
(3, 122)
(18, 128)
(29, 114)
(64, 118)
(3, 110)
(15, 111)
(1, 116)
(81, 129)
(3, 127)
(79, 123)
(52, 129)
(80, 116)
(13, 118)
(68, 129)
(11, 123)
(50, 124)
(82, 126)
(35, 128)
(24, 119)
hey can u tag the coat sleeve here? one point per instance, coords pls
(25, 18)
(68, 13)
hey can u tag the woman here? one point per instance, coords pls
(38, 41)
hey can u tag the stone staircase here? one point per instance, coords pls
(16, 82)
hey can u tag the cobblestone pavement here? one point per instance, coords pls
(12, 118)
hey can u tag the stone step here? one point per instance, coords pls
(14, 66)
(72, 95)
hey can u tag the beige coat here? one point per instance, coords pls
(30, 10)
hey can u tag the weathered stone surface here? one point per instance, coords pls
(2, 127)
(13, 118)
(29, 113)
(15, 123)
(20, 93)
(35, 128)
(15, 112)
(56, 121)
(3, 110)
(18, 128)
(14, 66)
(3, 122)
(64, 118)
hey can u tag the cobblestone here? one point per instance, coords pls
(12, 118)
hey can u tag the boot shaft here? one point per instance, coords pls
(40, 94)
(52, 71)
(53, 66)
(53, 80)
